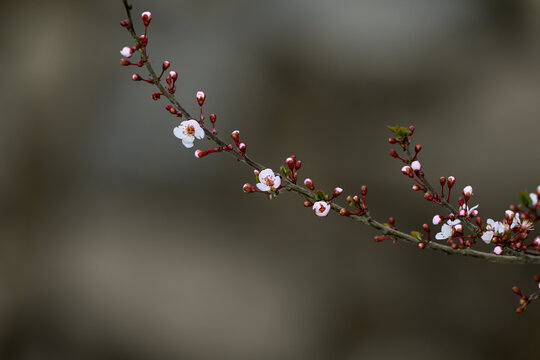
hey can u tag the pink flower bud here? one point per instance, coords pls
(416, 166)
(173, 75)
(212, 118)
(146, 17)
(308, 203)
(451, 180)
(256, 172)
(428, 196)
(442, 180)
(235, 135)
(437, 219)
(242, 147)
(393, 153)
(356, 199)
(497, 250)
(248, 188)
(415, 187)
(425, 227)
(171, 109)
(458, 228)
(124, 62)
(411, 129)
(392, 140)
(200, 153)
(290, 162)
(309, 184)
(379, 238)
(337, 191)
(297, 165)
(344, 212)
(143, 40)
(165, 65)
(509, 215)
(126, 51)
(363, 190)
(156, 95)
(421, 245)
(417, 148)
(467, 191)
(136, 77)
(201, 97)
(124, 23)
(462, 212)
(407, 170)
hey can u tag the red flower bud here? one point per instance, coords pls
(363, 190)
(146, 17)
(166, 65)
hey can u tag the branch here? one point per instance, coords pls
(305, 193)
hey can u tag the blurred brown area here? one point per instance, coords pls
(116, 243)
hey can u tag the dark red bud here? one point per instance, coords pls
(392, 140)
(363, 189)
(393, 153)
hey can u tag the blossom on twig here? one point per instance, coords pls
(188, 131)
(268, 181)
(321, 208)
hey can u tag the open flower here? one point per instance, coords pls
(447, 230)
(321, 208)
(492, 228)
(188, 131)
(268, 181)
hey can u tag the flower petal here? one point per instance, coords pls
(187, 142)
(487, 236)
(263, 187)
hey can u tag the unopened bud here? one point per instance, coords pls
(416, 166)
(166, 65)
(248, 188)
(344, 212)
(425, 227)
(126, 51)
(478, 221)
(136, 77)
(212, 118)
(200, 153)
(442, 180)
(143, 40)
(468, 191)
(407, 170)
(428, 196)
(392, 221)
(156, 95)
(171, 109)
(290, 162)
(363, 190)
(356, 199)
(201, 97)
(337, 191)
(242, 146)
(392, 140)
(298, 165)
(509, 215)
(146, 17)
(308, 203)
(415, 187)
(437, 219)
(379, 238)
(411, 129)
(450, 181)
(421, 245)
(235, 135)
(393, 153)
(124, 62)
(173, 75)
(417, 148)
(309, 184)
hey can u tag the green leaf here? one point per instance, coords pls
(285, 171)
(400, 132)
(525, 198)
(320, 195)
(417, 235)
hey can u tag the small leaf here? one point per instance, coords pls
(285, 171)
(400, 132)
(525, 198)
(417, 235)
(320, 195)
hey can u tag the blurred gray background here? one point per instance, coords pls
(116, 243)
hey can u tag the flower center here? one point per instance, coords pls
(190, 129)
(269, 180)
(322, 209)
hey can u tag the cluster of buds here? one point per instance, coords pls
(525, 300)
(357, 203)
(291, 171)
(240, 145)
(323, 202)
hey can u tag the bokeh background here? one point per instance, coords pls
(116, 243)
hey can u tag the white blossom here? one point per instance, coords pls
(126, 51)
(321, 208)
(268, 181)
(447, 230)
(188, 131)
(415, 165)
